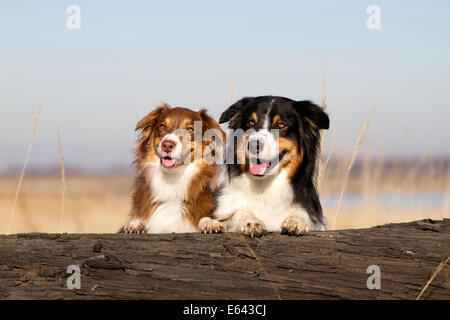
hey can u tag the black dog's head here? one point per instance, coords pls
(292, 126)
(283, 136)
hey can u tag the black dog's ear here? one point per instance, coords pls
(313, 113)
(233, 110)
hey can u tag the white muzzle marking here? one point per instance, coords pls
(263, 158)
(176, 152)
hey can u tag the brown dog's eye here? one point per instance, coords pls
(190, 129)
(251, 122)
(281, 124)
(162, 126)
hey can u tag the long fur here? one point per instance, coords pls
(170, 200)
(286, 201)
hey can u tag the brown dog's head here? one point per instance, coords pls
(174, 137)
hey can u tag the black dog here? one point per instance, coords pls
(269, 184)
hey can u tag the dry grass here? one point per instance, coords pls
(232, 87)
(92, 204)
(436, 272)
(101, 203)
(350, 165)
(63, 179)
(83, 203)
(321, 165)
(425, 196)
(24, 167)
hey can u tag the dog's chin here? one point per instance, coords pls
(258, 177)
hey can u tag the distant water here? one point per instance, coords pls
(403, 200)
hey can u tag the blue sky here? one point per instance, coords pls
(97, 82)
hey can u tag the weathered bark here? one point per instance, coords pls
(322, 265)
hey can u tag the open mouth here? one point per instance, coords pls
(260, 168)
(171, 163)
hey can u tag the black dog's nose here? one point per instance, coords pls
(255, 146)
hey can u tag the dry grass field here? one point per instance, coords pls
(375, 194)
(92, 204)
(357, 192)
(379, 192)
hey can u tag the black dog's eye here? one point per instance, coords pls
(281, 124)
(251, 122)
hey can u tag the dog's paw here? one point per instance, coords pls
(134, 226)
(255, 228)
(296, 226)
(208, 225)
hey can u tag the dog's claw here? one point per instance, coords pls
(253, 229)
(296, 226)
(211, 226)
(134, 226)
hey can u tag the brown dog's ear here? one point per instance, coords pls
(213, 135)
(209, 123)
(152, 118)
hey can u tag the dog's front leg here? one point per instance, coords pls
(244, 221)
(135, 225)
(297, 223)
(208, 225)
(217, 223)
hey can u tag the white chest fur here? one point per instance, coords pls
(270, 200)
(170, 188)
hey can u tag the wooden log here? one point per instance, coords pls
(323, 265)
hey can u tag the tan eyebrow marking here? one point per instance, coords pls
(254, 117)
(187, 122)
(275, 120)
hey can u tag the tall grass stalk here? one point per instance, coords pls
(324, 164)
(438, 269)
(232, 87)
(63, 180)
(320, 163)
(350, 165)
(446, 205)
(22, 173)
(324, 88)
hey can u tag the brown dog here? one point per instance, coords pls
(174, 187)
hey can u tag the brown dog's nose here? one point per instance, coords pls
(168, 146)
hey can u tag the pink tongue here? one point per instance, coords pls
(168, 163)
(258, 168)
